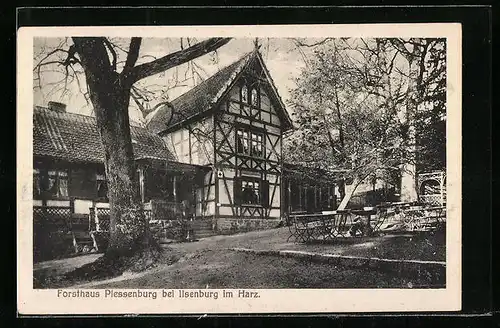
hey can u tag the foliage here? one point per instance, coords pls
(357, 100)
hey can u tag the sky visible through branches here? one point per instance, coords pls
(282, 58)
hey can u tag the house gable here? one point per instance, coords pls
(206, 97)
(253, 98)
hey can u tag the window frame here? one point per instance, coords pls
(38, 182)
(244, 94)
(44, 177)
(255, 103)
(57, 183)
(101, 177)
(248, 180)
(247, 92)
(241, 131)
(263, 192)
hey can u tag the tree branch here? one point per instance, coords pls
(133, 55)
(310, 45)
(113, 53)
(174, 59)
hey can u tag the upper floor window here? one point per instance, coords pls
(249, 143)
(242, 146)
(244, 94)
(255, 97)
(257, 144)
(250, 95)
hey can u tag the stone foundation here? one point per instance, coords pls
(236, 225)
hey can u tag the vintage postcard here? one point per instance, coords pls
(239, 169)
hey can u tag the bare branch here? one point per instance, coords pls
(310, 45)
(113, 53)
(174, 59)
(48, 55)
(117, 46)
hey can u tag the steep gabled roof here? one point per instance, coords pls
(75, 138)
(206, 95)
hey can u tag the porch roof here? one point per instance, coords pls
(172, 165)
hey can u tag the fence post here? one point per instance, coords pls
(96, 219)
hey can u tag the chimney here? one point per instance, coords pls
(57, 106)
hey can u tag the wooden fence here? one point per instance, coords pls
(58, 232)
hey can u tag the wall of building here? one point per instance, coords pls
(231, 216)
(372, 192)
(205, 197)
(81, 185)
(193, 145)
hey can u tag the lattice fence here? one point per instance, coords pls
(51, 232)
(432, 188)
(103, 218)
(55, 218)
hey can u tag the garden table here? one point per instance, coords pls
(320, 226)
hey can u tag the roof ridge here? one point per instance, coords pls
(75, 137)
(91, 117)
(204, 95)
(201, 96)
(64, 113)
(215, 74)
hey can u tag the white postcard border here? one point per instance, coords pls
(39, 301)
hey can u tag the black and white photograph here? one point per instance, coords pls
(187, 170)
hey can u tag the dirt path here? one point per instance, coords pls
(210, 263)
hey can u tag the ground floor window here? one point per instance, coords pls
(251, 191)
(37, 184)
(58, 183)
(102, 186)
(53, 183)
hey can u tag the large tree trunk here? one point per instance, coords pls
(129, 231)
(128, 226)
(408, 170)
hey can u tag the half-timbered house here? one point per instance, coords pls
(233, 122)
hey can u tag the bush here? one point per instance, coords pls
(52, 245)
(102, 240)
